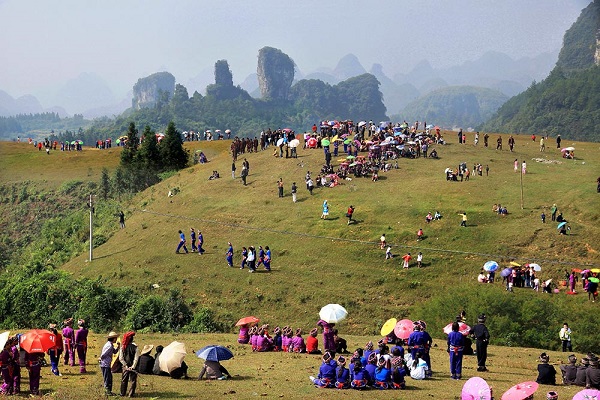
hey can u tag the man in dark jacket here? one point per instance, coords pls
(581, 369)
(482, 336)
(129, 356)
(146, 361)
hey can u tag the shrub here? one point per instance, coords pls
(204, 322)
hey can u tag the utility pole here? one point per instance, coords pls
(91, 206)
(521, 190)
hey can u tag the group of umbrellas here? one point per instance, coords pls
(477, 388)
(492, 266)
(403, 328)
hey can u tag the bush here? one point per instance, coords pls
(147, 314)
(204, 322)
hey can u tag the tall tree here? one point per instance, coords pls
(105, 184)
(148, 156)
(173, 155)
(131, 146)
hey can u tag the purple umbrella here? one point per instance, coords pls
(506, 272)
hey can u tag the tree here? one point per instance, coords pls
(104, 184)
(148, 156)
(131, 146)
(173, 155)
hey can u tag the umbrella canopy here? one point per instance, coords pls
(247, 320)
(294, 143)
(172, 356)
(506, 272)
(218, 131)
(549, 281)
(388, 327)
(214, 352)
(561, 225)
(333, 313)
(227, 130)
(520, 391)
(362, 123)
(37, 341)
(347, 141)
(312, 142)
(587, 394)
(536, 267)
(476, 388)
(350, 158)
(594, 280)
(463, 328)
(568, 149)
(515, 264)
(4, 338)
(490, 266)
(403, 328)
(325, 142)
(595, 270)
(279, 142)
(287, 130)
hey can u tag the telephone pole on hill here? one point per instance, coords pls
(91, 206)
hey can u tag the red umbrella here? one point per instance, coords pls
(247, 320)
(520, 391)
(37, 341)
(404, 328)
(463, 328)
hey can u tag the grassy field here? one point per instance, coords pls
(317, 261)
(285, 375)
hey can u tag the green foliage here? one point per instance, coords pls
(157, 314)
(172, 153)
(204, 321)
(129, 152)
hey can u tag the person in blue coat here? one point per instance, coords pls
(371, 367)
(383, 374)
(398, 373)
(342, 374)
(360, 377)
(229, 255)
(181, 243)
(455, 348)
(327, 376)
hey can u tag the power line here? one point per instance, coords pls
(308, 235)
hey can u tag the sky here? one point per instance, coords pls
(45, 43)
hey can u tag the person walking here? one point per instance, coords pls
(350, 213)
(558, 140)
(122, 219)
(244, 174)
(129, 356)
(81, 342)
(55, 351)
(106, 355)
(565, 338)
(229, 255)
(193, 239)
(294, 192)
(69, 342)
(233, 169)
(542, 145)
(482, 336)
(553, 211)
(325, 212)
(200, 243)
(181, 243)
(280, 187)
(464, 219)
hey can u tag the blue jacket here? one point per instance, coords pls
(327, 370)
(342, 376)
(360, 375)
(383, 375)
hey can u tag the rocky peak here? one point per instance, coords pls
(223, 75)
(147, 91)
(275, 73)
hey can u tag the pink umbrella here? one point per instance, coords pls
(476, 388)
(587, 394)
(520, 391)
(463, 328)
(404, 328)
(312, 142)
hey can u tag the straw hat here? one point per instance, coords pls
(147, 349)
(112, 335)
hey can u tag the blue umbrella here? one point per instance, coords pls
(214, 353)
(561, 225)
(506, 272)
(490, 266)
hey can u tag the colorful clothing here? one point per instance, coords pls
(81, 343)
(328, 339)
(69, 345)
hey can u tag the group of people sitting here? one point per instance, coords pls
(586, 374)
(499, 209)
(214, 175)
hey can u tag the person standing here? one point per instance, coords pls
(181, 243)
(193, 239)
(565, 338)
(523, 167)
(129, 355)
(542, 145)
(69, 342)
(229, 255)
(553, 211)
(482, 336)
(516, 164)
(487, 170)
(420, 260)
(455, 350)
(407, 258)
(280, 187)
(325, 212)
(122, 219)
(511, 143)
(350, 213)
(486, 138)
(267, 260)
(244, 174)
(328, 336)
(56, 351)
(106, 355)
(5, 361)
(233, 169)
(33, 363)
(294, 191)
(81, 343)
(251, 259)
(558, 140)
(200, 242)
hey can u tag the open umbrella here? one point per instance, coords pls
(227, 130)
(587, 394)
(536, 267)
(404, 328)
(172, 356)
(312, 142)
(515, 264)
(4, 338)
(350, 158)
(347, 141)
(595, 270)
(333, 313)
(294, 143)
(490, 266)
(561, 225)
(325, 142)
(388, 327)
(594, 280)
(362, 123)
(520, 391)
(506, 272)
(247, 320)
(463, 328)
(568, 149)
(214, 352)
(287, 130)
(549, 281)
(37, 341)
(476, 388)
(279, 142)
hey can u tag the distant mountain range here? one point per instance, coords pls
(90, 95)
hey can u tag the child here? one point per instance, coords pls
(382, 374)
(429, 217)
(419, 235)
(398, 373)
(342, 374)
(367, 352)
(267, 259)
(407, 257)
(388, 253)
(229, 255)
(340, 343)
(244, 257)
(312, 343)
(437, 216)
(536, 284)
(382, 241)
(359, 376)
(254, 338)
(418, 367)
(327, 373)
(543, 216)
(264, 341)
(420, 260)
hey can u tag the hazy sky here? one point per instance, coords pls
(45, 43)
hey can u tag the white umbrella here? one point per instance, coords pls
(227, 130)
(172, 356)
(536, 267)
(294, 143)
(4, 338)
(362, 123)
(279, 142)
(333, 313)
